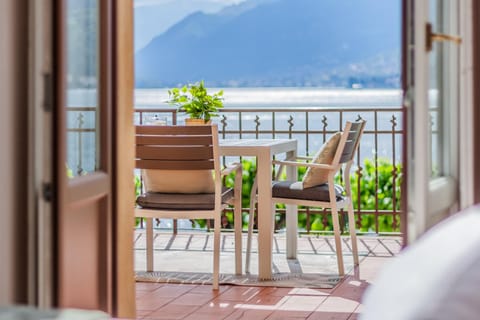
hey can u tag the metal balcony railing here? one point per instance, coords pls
(378, 173)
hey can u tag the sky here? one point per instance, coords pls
(153, 17)
(194, 3)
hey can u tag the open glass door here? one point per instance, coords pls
(432, 104)
(84, 121)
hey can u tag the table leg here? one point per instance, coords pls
(291, 215)
(149, 243)
(265, 225)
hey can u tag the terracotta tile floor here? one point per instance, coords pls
(197, 302)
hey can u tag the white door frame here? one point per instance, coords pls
(466, 114)
(432, 199)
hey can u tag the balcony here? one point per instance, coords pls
(376, 188)
(377, 177)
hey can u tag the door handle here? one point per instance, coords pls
(431, 36)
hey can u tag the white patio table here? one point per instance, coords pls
(264, 150)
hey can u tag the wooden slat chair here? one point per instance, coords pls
(327, 195)
(188, 148)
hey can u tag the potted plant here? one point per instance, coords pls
(194, 100)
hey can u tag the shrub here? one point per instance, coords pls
(386, 193)
(319, 222)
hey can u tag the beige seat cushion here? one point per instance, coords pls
(178, 181)
(289, 190)
(315, 176)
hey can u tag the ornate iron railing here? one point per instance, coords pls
(380, 145)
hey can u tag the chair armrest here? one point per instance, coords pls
(304, 164)
(296, 158)
(237, 189)
(230, 168)
(304, 158)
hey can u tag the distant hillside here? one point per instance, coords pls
(153, 18)
(279, 43)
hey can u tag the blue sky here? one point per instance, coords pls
(153, 17)
(194, 3)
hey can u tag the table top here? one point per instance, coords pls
(252, 147)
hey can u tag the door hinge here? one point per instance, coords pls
(47, 191)
(47, 92)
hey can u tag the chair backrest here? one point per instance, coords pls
(177, 147)
(349, 142)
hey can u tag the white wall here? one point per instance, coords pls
(13, 146)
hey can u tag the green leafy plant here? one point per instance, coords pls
(388, 197)
(249, 169)
(194, 100)
(138, 191)
(386, 193)
(69, 171)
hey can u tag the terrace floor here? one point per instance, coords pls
(184, 301)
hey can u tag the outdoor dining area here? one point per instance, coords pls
(267, 251)
(191, 150)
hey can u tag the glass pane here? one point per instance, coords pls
(435, 93)
(82, 86)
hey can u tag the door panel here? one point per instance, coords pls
(80, 241)
(83, 108)
(432, 105)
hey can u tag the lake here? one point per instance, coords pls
(286, 97)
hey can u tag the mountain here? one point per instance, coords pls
(155, 17)
(279, 43)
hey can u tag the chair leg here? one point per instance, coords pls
(353, 233)
(149, 243)
(237, 217)
(216, 252)
(338, 241)
(291, 221)
(251, 215)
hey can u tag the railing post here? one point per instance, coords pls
(290, 127)
(375, 156)
(359, 180)
(81, 122)
(394, 174)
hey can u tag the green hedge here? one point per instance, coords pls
(368, 176)
(368, 190)
(385, 193)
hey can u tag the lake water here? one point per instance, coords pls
(264, 97)
(286, 97)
